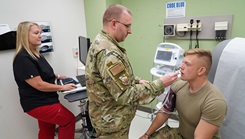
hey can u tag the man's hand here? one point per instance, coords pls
(169, 78)
(144, 137)
(143, 81)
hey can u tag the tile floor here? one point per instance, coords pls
(139, 125)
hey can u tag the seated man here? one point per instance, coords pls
(200, 105)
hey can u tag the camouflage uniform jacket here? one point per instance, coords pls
(113, 90)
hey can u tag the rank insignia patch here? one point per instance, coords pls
(124, 79)
(117, 69)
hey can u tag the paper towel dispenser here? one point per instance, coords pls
(8, 40)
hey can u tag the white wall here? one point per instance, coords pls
(67, 21)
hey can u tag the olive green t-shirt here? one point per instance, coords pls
(208, 104)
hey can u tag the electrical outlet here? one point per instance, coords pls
(75, 52)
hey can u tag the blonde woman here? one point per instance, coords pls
(38, 92)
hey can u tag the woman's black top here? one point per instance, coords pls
(25, 67)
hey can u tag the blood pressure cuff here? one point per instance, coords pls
(170, 101)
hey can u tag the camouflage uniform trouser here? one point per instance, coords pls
(122, 134)
(113, 137)
(166, 133)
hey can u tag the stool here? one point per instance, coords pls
(88, 131)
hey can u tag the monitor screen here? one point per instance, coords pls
(84, 44)
(164, 55)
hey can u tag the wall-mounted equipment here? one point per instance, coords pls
(187, 27)
(198, 26)
(8, 40)
(205, 27)
(46, 37)
(7, 37)
(47, 41)
(46, 47)
(221, 25)
(190, 28)
(220, 29)
(169, 29)
(168, 58)
(195, 27)
(182, 27)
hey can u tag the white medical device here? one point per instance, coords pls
(168, 58)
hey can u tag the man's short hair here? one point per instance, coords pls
(201, 53)
(114, 12)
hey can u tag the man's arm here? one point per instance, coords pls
(160, 119)
(205, 130)
(117, 78)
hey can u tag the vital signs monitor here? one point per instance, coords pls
(168, 58)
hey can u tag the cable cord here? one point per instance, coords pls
(164, 39)
(197, 40)
(197, 43)
(176, 32)
(190, 45)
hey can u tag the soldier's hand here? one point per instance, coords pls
(144, 137)
(169, 78)
(143, 81)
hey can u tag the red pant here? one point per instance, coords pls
(51, 115)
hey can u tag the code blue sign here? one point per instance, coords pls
(175, 9)
(176, 4)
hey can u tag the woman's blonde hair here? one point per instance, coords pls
(22, 37)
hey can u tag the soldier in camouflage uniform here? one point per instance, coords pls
(113, 90)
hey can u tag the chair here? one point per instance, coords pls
(87, 130)
(228, 74)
